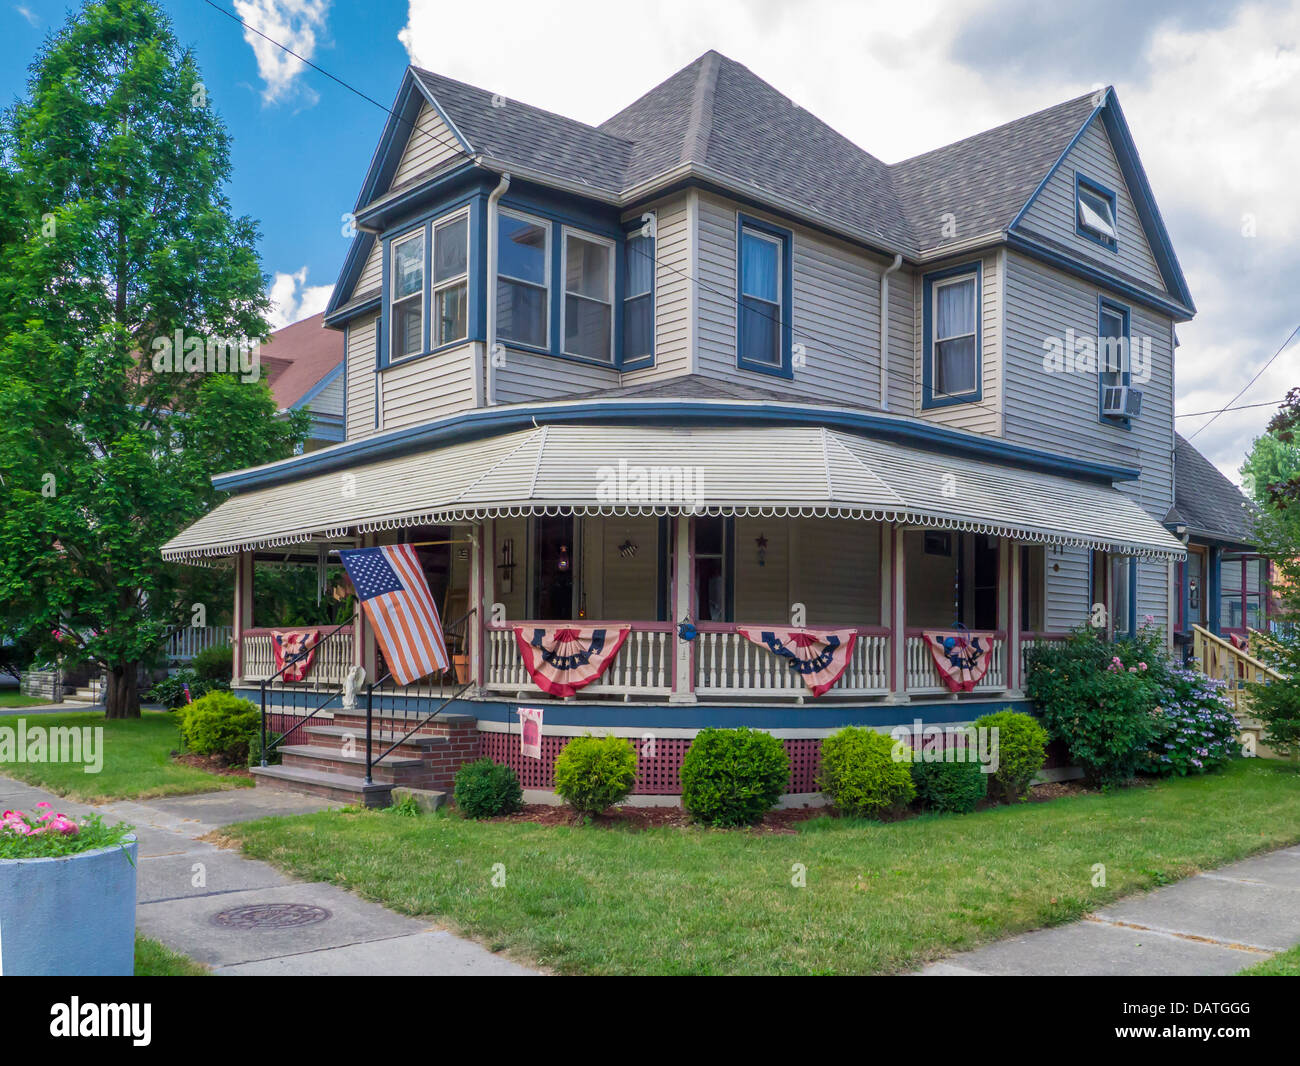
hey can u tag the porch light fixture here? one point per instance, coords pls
(563, 564)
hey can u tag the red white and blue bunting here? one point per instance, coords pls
(563, 658)
(961, 658)
(817, 656)
(288, 644)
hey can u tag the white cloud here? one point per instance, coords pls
(292, 299)
(294, 24)
(32, 18)
(1211, 100)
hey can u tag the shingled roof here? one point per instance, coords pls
(719, 116)
(1208, 503)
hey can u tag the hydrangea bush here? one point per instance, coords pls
(46, 834)
(1201, 732)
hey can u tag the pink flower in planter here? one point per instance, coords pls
(65, 825)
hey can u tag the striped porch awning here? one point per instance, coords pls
(637, 470)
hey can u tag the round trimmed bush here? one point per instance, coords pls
(1021, 751)
(220, 723)
(733, 776)
(861, 774)
(953, 787)
(594, 773)
(484, 789)
(215, 665)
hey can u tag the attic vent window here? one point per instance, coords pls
(1096, 212)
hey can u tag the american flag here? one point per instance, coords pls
(397, 600)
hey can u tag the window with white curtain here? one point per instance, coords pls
(588, 297)
(955, 371)
(760, 297)
(406, 286)
(523, 280)
(638, 297)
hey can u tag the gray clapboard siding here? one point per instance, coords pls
(530, 376)
(1053, 212)
(673, 282)
(431, 145)
(983, 415)
(360, 370)
(329, 401)
(428, 387)
(371, 276)
(627, 587)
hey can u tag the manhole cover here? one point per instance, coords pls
(270, 916)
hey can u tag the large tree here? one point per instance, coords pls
(116, 234)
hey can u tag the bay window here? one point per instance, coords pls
(451, 280)
(638, 299)
(588, 297)
(523, 280)
(951, 371)
(407, 286)
(761, 271)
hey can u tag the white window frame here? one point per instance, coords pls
(423, 232)
(650, 292)
(1107, 226)
(436, 286)
(546, 252)
(565, 233)
(938, 283)
(779, 316)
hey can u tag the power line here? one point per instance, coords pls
(1221, 410)
(1248, 384)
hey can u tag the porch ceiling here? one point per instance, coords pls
(610, 469)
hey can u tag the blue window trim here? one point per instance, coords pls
(1082, 181)
(786, 237)
(629, 231)
(1104, 303)
(928, 399)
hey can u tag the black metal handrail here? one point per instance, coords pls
(373, 761)
(282, 737)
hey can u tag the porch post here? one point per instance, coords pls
(243, 612)
(481, 584)
(683, 583)
(897, 581)
(363, 640)
(1010, 611)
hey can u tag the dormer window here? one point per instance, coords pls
(408, 295)
(1095, 212)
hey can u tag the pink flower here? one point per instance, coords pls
(1132, 669)
(1142, 666)
(43, 804)
(65, 826)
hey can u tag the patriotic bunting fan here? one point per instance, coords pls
(962, 658)
(817, 656)
(288, 645)
(561, 659)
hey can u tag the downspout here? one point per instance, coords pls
(884, 331)
(490, 391)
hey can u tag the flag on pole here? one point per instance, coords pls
(397, 600)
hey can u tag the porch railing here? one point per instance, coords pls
(1029, 641)
(729, 664)
(1223, 660)
(287, 706)
(922, 676)
(185, 643)
(642, 667)
(330, 664)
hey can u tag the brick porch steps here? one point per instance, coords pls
(331, 737)
(344, 787)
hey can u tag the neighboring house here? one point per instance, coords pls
(303, 364)
(711, 363)
(1224, 582)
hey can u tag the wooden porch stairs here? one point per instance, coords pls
(329, 758)
(1224, 661)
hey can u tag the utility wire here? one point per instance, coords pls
(1248, 384)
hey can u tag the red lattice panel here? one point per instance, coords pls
(656, 775)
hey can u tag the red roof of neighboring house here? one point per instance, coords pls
(298, 357)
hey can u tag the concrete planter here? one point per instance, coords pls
(71, 916)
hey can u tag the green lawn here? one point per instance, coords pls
(136, 761)
(880, 898)
(1284, 964)
(153, 959)
(11, 698)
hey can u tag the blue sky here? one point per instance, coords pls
(1211, 89)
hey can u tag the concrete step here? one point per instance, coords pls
(344, 787)
(324, 754)
(332, 737)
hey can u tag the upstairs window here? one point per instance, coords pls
(588, 298)
(638, 300)
(760, 308)
(1095, 212)
(952, 336)
(523, 280)
(451, 280)
(1112, 352)
(407, 287)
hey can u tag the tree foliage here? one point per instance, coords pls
(115, 233)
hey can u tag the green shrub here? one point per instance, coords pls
(594, 773)
(860, 773)
(954, 787)
(1276, 701)
(170, 691)
(484, 789)
(220, 724)
(1021, 751)
(733, 776)
(1200, 731)
(215, 665)
(255, 748)
(1101, 698)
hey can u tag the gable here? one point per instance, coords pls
(431, 144)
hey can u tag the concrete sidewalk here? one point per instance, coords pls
(1214, 923)
(241, 916)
